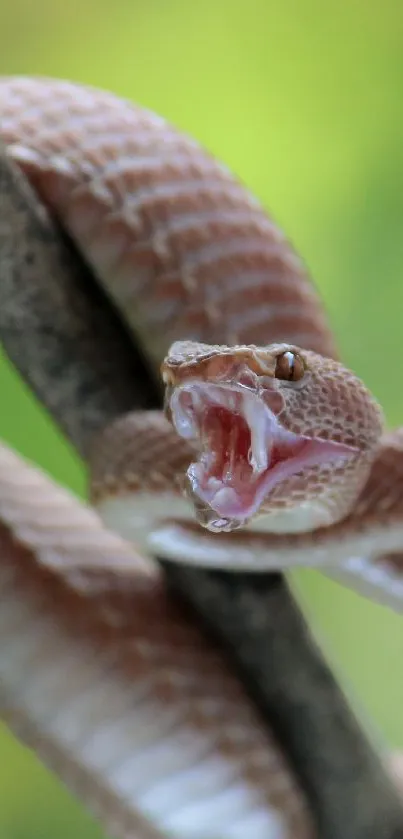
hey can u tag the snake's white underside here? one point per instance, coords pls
(110, 683)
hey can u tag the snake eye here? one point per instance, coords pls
(289, 367)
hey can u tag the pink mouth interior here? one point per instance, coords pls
(245, 452)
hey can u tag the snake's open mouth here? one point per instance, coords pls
(244, 451)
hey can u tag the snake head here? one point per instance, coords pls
(281, 432)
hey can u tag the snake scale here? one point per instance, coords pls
(284, 458)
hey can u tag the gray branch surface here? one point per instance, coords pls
(259, 623)
(56, 325)
(68, 344)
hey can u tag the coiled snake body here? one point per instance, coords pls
(279, 443)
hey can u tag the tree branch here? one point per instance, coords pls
(69, 345)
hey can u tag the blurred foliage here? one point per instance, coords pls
(304, 101)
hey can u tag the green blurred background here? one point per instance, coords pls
(304, 99)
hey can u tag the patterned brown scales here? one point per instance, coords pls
(175, 241)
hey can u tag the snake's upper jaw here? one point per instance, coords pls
(244, 451)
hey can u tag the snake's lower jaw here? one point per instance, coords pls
(231, 505)
(245, 454)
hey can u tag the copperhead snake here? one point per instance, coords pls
(278, 443)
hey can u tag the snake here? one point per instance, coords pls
(266, 456)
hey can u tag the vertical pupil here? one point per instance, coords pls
(290, 359)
